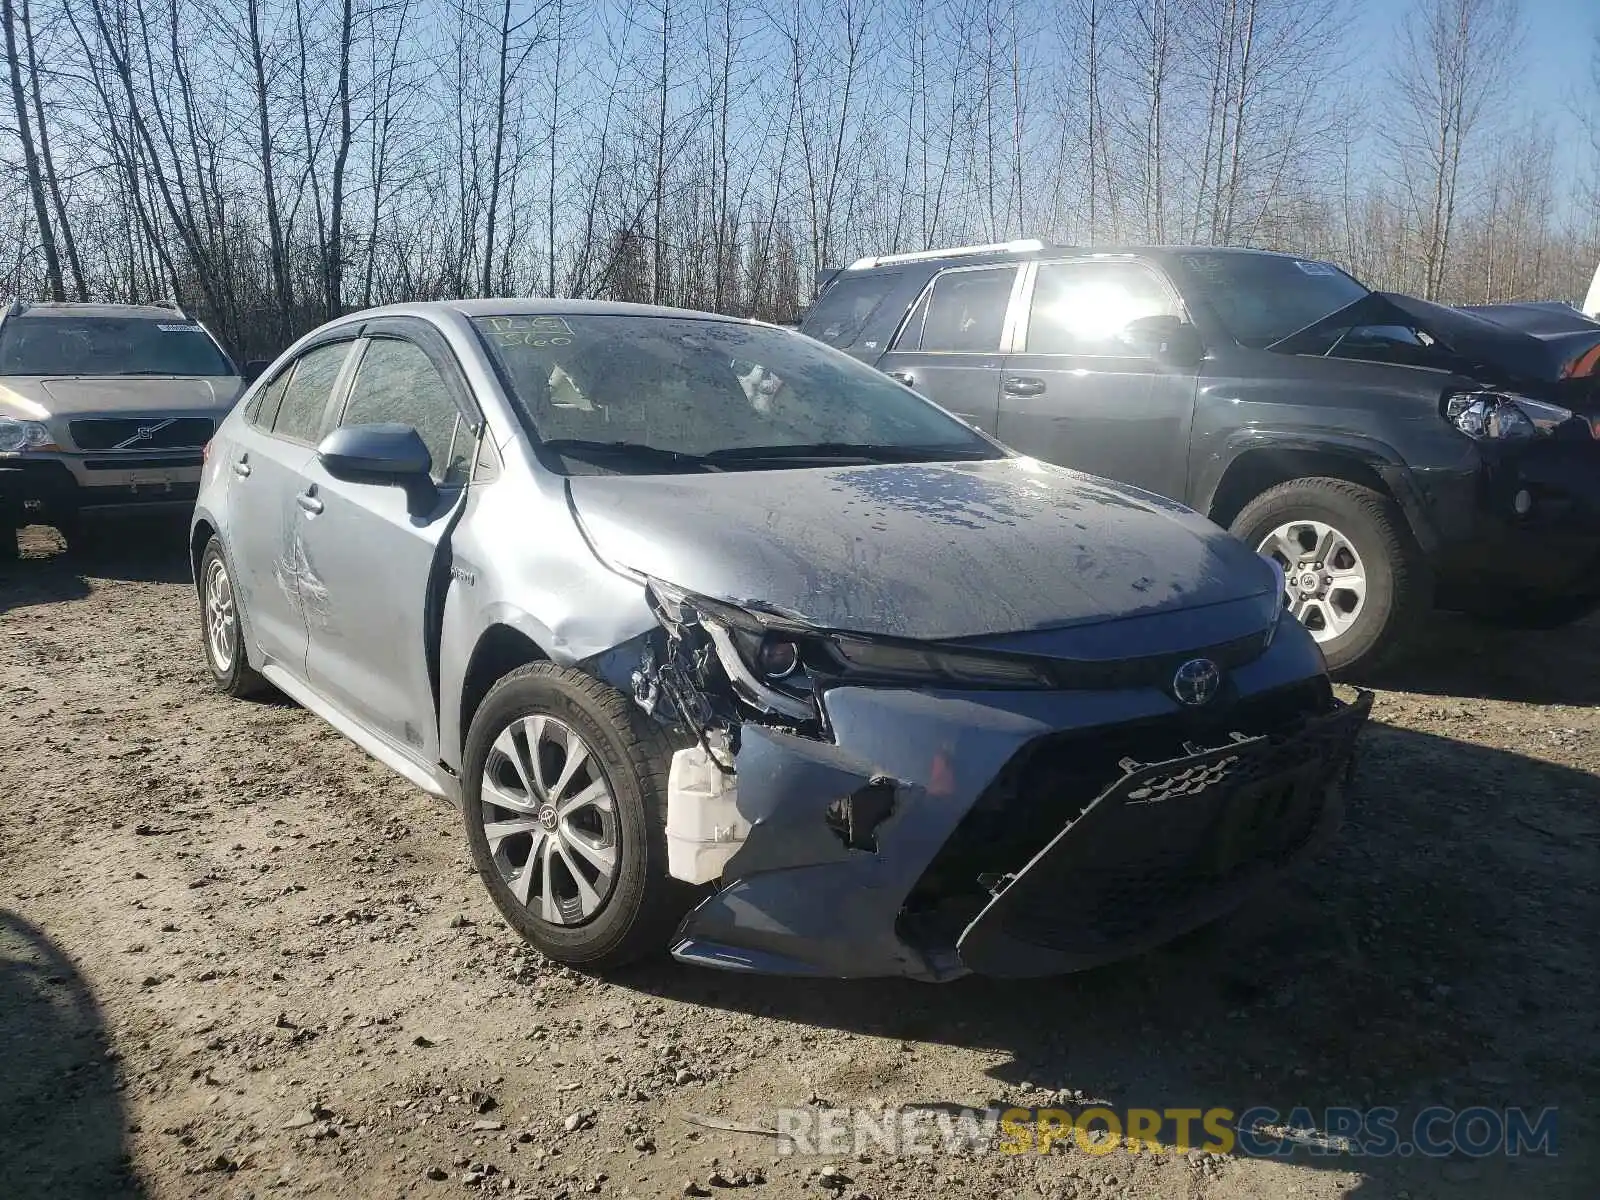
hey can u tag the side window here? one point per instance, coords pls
(396, 381)
(967, 310)
(263, 409)
(1083, 307)
(299, 414)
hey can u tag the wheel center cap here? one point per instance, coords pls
(547, 818)
(1309, 584)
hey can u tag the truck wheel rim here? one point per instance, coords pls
(1324, 579)
(550, 818)
(222, 630)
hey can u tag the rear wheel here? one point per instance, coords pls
(564, 793)
(222, 629)
(1353, 574)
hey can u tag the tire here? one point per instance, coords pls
(1397, 590)
(222, 626)
(639, 904)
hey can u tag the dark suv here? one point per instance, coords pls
(1393, 455)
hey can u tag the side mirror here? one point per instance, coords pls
(254, 367)
(387, 453)
(1164, 338)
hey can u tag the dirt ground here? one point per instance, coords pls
(237, 958)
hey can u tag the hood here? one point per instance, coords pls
(72, 396)
(933, 551)
(1506, 344)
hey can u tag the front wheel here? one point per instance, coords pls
(564, 794)
(1353, 574)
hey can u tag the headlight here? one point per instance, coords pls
(17, 435)
(1274, 604)
(1503, 416)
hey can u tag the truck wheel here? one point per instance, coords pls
(564, 796)
(1353, 574)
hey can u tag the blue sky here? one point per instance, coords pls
(1559, 51)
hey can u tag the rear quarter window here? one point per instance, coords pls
(843, 311)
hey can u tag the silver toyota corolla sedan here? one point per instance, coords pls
(726, 644)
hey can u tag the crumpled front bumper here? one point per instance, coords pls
(1526, 524)
(1166, 848)
(928, 840)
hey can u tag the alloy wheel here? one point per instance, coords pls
(222, 629)
(1324, 579)
(550, 820)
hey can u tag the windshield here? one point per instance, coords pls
(641, 395)
(1263, 298)
(108, 346)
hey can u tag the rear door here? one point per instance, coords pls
(267, 458)
(372, 550)
(1078, 394)
(950, 348)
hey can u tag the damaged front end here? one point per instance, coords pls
(714, 670)
(868, 807)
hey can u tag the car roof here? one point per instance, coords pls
(523, 307)
(45, 309)
(976, 256)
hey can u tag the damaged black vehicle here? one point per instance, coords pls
(1394, 456)
(728, 645)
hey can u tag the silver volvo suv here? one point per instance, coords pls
(104, 408)
(729, 645)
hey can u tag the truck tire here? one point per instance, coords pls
(1355, 577)
(584, 882)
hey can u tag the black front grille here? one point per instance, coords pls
(141, 433)
(1054, 778)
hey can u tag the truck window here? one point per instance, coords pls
(1082, 307)
(967, 310)
(842, 312)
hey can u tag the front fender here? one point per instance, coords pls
(1417, 493)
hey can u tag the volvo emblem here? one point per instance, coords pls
(144, 433)
(1196, 682)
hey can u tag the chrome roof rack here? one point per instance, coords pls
(1021, 246)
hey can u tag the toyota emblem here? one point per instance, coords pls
(1196, 682)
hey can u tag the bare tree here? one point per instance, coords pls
(30, 155)
(1453, 70)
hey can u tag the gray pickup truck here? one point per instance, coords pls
(104, 408)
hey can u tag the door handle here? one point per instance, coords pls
(1023, 385)
(308, 501)
(241, 466)
(904, 377)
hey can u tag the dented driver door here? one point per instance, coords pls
(267, 460)
(375, 552)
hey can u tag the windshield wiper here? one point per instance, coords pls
(850, 452)
(637, 451)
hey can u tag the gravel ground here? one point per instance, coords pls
(237, 958)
